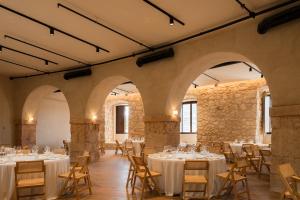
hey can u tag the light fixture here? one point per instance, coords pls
(97, 49)
(30, 119)
(250, 69)
(46, 62)
(171, 21)
(216, 84)
(261, 76)
(51, 31)
(94, 117)
(175, 112)
(1, 48)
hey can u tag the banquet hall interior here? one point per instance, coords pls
(149, 99)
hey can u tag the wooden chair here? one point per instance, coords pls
(119, 147)
(290, 180)
(66, 147)
(128, 147)
(195, 165)
(60, 151)
(102, 147)
(142, 153)
(216, 147)
(35, 168)
(228, 153)
(145, 175)
(254, 160)
(131, 171)
(265, 160)
(78, 172)
(231, 179)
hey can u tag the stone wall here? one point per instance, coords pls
(229, 111)
(136, 116)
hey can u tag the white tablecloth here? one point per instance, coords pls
(171, 168)
(237, 147)
(55, 164)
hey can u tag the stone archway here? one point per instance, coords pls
(30, 113)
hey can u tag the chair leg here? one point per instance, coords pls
(247, 189)
(235, 191)
(133, 185)
(143, 187)
(76, 189)
(89, 184)
(61, 193)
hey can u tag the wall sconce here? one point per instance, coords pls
(175, 112)
(94, 117)
(30, 119)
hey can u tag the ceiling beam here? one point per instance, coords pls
(30, 55)
(217, 28)
(102, 25)
(171, 17)
(20, 65)
(47, 50)
(52, 29)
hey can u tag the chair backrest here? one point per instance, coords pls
(265, 155)
(59, 151)
(198, 147)
(226, 147)
(248, 149)
(83, 162)
(286, 171)
(128, 144)
(25, 167)
(196, 165)
(86, 153)
(142, 145)
(140, 164)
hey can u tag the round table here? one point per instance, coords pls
(55, 164)
(171, 168)
(237, 147)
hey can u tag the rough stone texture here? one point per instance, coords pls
(28, 134)
(228, 112)
(160, 132)
(84, 137)
(285, 141)
(136, 116)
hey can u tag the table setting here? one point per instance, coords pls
(55, 164)
(170, 164)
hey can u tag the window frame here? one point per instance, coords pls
(115, 122)
(190, 102)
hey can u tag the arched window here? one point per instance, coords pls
(188, 122)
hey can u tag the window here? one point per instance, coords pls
(267, 119)
(188, 117)
(122, 119)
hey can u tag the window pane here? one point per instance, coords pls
(267, 120)
(194, 117)
(186, 118)
(126, 119)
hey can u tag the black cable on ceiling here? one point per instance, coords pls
(220, 27)
(102, 25)
(52, 29)
(24, 66)
(44, 49)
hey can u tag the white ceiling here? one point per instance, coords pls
(134, 18)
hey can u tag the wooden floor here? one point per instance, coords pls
(109, 179)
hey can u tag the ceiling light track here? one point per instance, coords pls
(30, 55)
(20, 65)
(126, 91)
(51, 28)
(250, 12)
(171, 17)
(47, 50)
(102, 25)
(209, 76)
(217, 28)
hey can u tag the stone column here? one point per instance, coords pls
(161, 131)
(285, 141)
(84, 137)
(26, 133)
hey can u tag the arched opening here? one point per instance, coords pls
(118, 107)
(46, 118)
(228, 102)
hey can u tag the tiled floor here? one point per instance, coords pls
(109, 179)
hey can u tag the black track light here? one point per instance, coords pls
(46, 62)
(97, 49)
(195, 86)
(261, 76)
(1, 48)
(171, 21)
(51, 31)
(250, 69)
